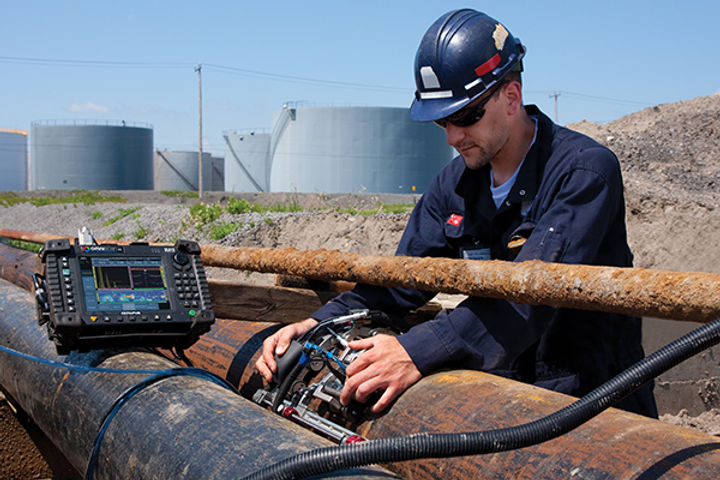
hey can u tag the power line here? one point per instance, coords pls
(298, 79)
(606, 99)
(56, 62)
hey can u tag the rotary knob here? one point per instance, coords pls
(181, 258)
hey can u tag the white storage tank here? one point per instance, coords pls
(217, 174)
(98, 155)
(178, 170)
(13, 159)
(247, 161)
(354, 150)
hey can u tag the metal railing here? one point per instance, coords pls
(97, 122)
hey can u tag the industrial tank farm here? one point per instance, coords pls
(91, 155)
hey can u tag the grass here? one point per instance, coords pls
(124, 212)
(241, 206)
(141, 232)
(22, 244)
(393, 208)
(8, 199)
(203, 214)
(397, 208)
(223, 229)
(206, 215)
(180, 193)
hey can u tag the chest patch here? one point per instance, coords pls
(455, 220)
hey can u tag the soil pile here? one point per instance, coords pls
(670, 157)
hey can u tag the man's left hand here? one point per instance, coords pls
(384, 365)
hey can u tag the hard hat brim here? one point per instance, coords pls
(431, 110)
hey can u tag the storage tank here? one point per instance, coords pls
(13, 159)
(218, 174)
(247, 161)
(178, 170)
(353, 150)
(101, 155)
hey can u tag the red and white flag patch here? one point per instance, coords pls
(455, 220)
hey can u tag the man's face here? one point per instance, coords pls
(479, 142)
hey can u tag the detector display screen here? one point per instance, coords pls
(123, 283)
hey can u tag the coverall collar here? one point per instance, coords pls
(474, 185)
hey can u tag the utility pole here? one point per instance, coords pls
(198, 69)
(555, 96)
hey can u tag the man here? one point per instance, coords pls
(522, 188)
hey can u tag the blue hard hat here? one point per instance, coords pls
(462, 55)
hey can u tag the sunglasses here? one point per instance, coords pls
(469, 115)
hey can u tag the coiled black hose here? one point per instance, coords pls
(443, 445)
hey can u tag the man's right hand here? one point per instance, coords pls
(277, 344)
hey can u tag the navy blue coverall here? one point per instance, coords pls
(568, 205)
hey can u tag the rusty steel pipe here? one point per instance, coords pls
(634, 291)
(613, 445)
(17, 266)
(656, 293)
(34, 237)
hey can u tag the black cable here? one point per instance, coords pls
(285, 386)
(443, 445)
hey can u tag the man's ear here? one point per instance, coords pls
(512, 94)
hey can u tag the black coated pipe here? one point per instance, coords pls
(180, 427)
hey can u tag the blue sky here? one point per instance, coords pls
(134, 60)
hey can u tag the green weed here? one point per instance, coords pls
(84, 197)
(179, 193)
(22, 244)
(238, 207)
(124, 212)
(141, 232)
(394, 208)
(203, 213)
(397, 208)
(223, 229)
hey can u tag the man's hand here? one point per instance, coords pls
(277, 343)
(385, 365)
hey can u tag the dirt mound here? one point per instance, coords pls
(670, 157)
(366, 235)
(668, 150)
